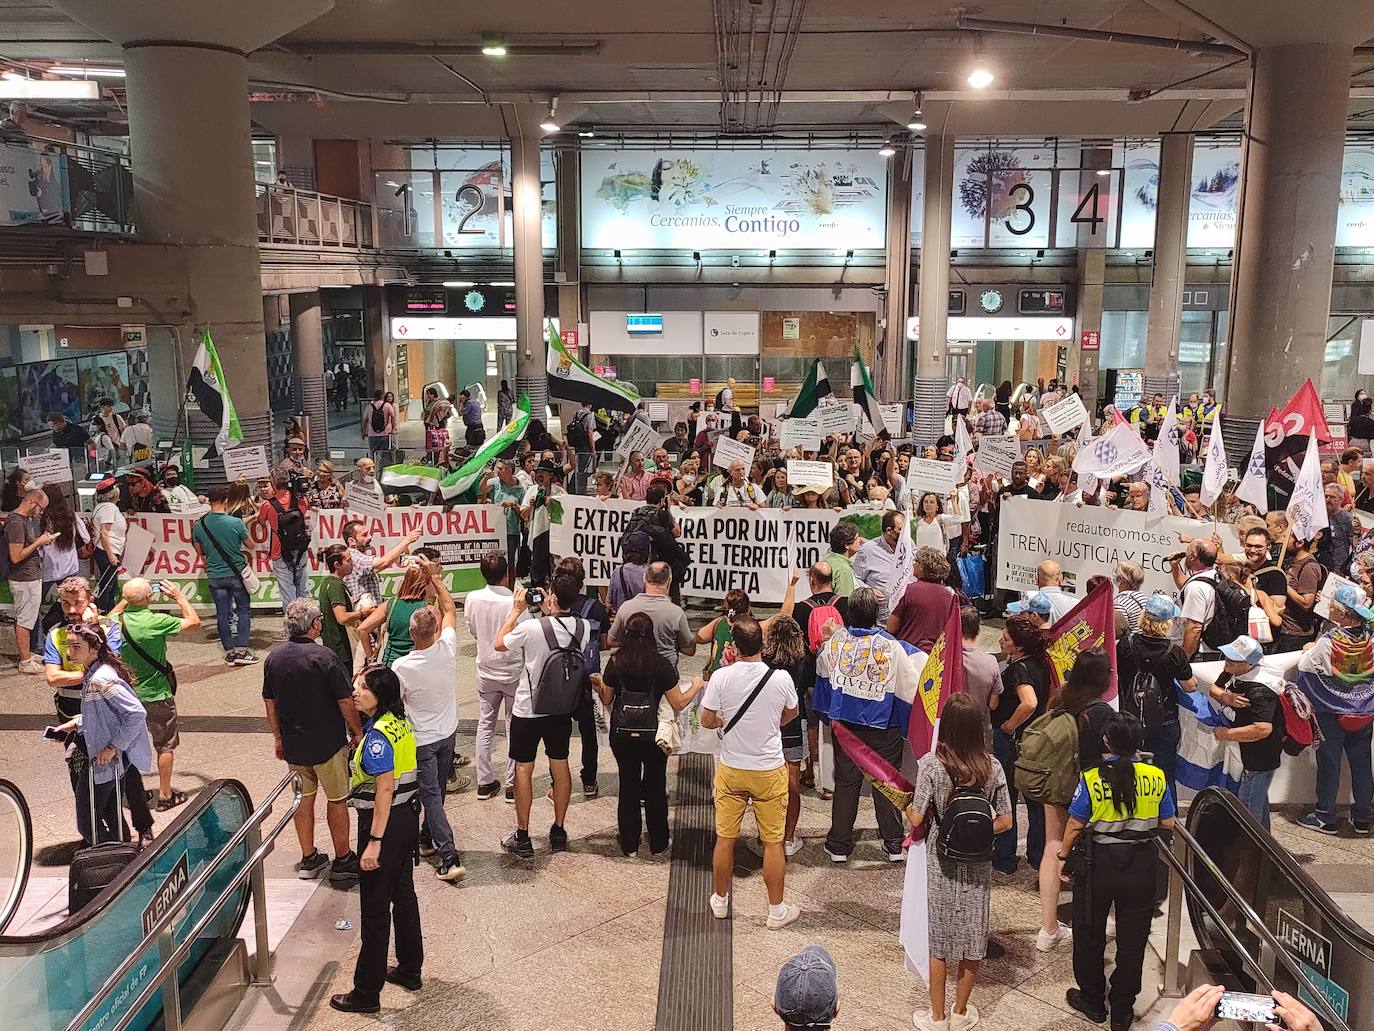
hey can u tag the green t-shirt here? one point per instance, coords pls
(398, 640)
(149, 630)
(231, 533)
(333, 634)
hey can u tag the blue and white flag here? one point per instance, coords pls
(1116, 453)
(1215, 470)
(1307, 505)
(1254, 487)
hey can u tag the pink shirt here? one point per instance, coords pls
(633, 486)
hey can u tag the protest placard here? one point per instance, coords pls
(1334, 581)
(802, 433)
(247, 462)
(836, 418)
(364, 502)
(1065, 415)
(639, 437)
(996, 454)
(729, 451)
(810, 474)
(47, 467)
(928, 475)
(892, 417)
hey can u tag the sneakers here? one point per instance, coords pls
(486, 791)
(450, 869)
(964, 1021)
(925, 1020)
(789, 915)
(519, 846)
(835, 857)
(312, 866)
(240, 657)
(1080, 1003)
(897, 855)
(791, 848)
(510, 796)
(427, 847)
(590, 790)
(1360, 828)
(720, 907)
(344, 869)
(1046, 942)
(459, 783)
(33, 665)
(1313, 822)
(558, 838)
(410, 982)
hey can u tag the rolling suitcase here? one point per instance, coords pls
(95, 867)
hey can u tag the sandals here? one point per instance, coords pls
(163, 804)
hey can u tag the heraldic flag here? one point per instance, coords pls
(1089, 624)
(206, 384)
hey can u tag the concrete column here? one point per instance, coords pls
(933, 290)
(307, 343)
(375, 337)
(1092, 267)
(568, 262)
(892, 365)
(1285, 246)
(193, 187)
(1170, 264)
(526, 209)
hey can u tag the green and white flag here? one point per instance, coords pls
(864, 394)
(206, 384)
(570, 380)
(453, 484)
(813, 388)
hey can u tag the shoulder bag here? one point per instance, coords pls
(163, 668)
(758, 688)
(250, 578)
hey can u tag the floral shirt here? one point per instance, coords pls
(330, 496)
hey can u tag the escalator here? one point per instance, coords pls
(47, 978)
(1304, 931)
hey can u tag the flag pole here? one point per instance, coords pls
(182, 413)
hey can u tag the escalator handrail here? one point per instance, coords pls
(175, 956)
(1282, 858)
(190, 813)
(1251, 917)
(21, 878)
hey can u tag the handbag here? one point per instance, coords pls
(250, 578)
(669, 736)
(165, 669)
(1260, 627)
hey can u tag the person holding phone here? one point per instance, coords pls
(1204, 1006)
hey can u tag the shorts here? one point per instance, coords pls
(28, 599)
(332, 775)
(796, 754)
(162, 725)
(527, 731)
(766, 790)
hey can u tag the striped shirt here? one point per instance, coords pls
(1131, 604)
(991, 422)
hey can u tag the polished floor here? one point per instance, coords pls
(568, 941)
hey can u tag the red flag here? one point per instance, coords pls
(1089, 624)
(942, 676)
(884, 777)
(1285, 438)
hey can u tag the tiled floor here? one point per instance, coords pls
(567, 941)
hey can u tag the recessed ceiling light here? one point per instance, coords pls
(493, 46)
(980, 78)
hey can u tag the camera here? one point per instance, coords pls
(534, 598)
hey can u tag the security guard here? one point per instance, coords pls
(385, 794)
(1156, 409)
(1119, 809)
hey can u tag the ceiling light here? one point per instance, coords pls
(108, 73)
(550, 122)
(458, 283)
(586, 134)
(886, 150)
(503, 282)
(980, 77)
(493, 46)
(49, 89)
(10, 74)
(1104, 171)
(917, 123)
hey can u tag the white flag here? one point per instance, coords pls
(1166, 447)
(1117, 452)
(903, 559)
(1254, 488)
(1216, 470)
(1307, 506)
(963, 447)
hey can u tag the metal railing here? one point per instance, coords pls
(161, 934)
(304, 218)
(1180, 880)
(96, 186)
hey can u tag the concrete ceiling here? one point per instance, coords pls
(411, 68)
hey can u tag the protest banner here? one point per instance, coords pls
(754, 551)
(47, 467)
(639, 437)
(361, 501)
(810, 474)
(1065, 415)
(997, 454)
(835, 418)
(802, 433)
(462, 536)
(250, 463)
(926, 475)
(730, 451)
(1090, 541)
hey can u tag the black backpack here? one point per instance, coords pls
(579, 433)
(634, 716)
(1144, 697)
(292, 530)
(637, 540)
(562, 680)
(378, 420)
(1231, 614)
(965, 832)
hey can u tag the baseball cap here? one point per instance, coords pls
(808, 991)
(1037, 602)
(1243, 649)
(1350, 597)
(1161, 607)
(294, 440)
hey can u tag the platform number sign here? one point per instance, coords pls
(1024, 195)
(1087, 210)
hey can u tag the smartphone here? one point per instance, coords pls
(1258, 1009)
(53, 734)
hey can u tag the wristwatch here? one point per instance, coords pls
(1061, 857)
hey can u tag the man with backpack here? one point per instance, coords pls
(379, 423)
(582, 439)
(672, 633)
(1258, 726)
(652, 525)
(284, 514)
(1216, 610)
(589, 608)
(552, 683)
(819, 616)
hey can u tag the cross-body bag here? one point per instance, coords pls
(768, 672)
(250, 578)
(165, 669)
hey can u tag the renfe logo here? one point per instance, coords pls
(1303, 943)
(168, 892)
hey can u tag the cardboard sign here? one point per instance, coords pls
(639, 437)
(835, 418)
(1065, 415)
(362, 501)
(46, 467)
(996, 454)
(248, 462)
(658, 411)
(802, 433)
(810, 474)
(926, 475)
(729, 451)
(892, 417)
(1334, 581)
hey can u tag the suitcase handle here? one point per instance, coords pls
(119, 795)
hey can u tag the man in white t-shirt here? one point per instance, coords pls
(527, 730)
(498, 673)
(750, 770)
(428, 675)
(1199, 598)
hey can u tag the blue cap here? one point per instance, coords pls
(1037, 602)
(1161, 607)
(1243, 649)
(808, 991)
(1350, 597)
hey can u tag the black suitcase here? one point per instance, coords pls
(95, 867)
